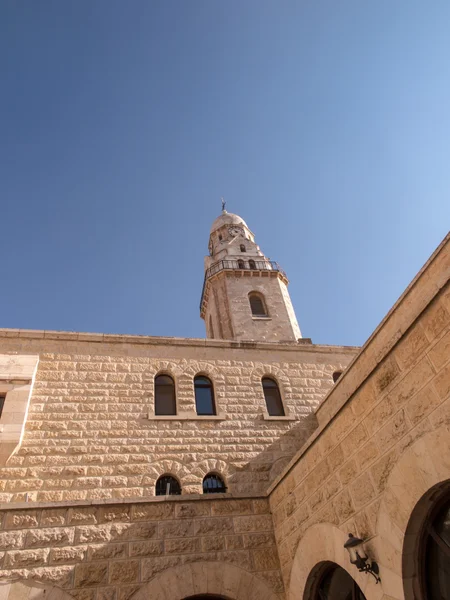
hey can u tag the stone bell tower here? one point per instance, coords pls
(245, 295)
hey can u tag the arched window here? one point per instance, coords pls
(257, 304)
(214, 484)
(336, 375)
(337, 584)
(241, 264)
(273, 397)
(435, 552)
(204, 396)
(167, 486)
(165, 403)
(243, 248)
(251, 264)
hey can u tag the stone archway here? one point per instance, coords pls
(208, 580)
(424, 465)
(27, 590)
(324, 543)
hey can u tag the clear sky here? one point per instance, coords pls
(326, 126)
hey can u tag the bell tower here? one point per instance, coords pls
(245, 295)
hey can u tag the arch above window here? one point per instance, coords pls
(167, 485)
(272, 396)
(257, 304)
(165, 400)
(214, 484)
(204, 395)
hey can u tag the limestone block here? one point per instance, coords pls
(440, 352)
(182, 545)
(147, 548)
(252, 523)
(21, 519)
(11, 540)
(72, 554)
(106, 551)
(265, 559)
(26, 558)
(57, 536)
(124, 571)
(91, 574)
(168, 529)
(214, 526)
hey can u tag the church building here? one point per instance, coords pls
(249, 465)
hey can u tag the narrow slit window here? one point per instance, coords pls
(165, 401)
(336, 375)
(2, 403)
(243, 248)
(167, 486)
(204, 396)
(214, 484)
(273, 397)
(257, 305)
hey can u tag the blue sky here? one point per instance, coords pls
(324, 124)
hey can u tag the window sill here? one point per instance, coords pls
(261, 318)
(219, 417)
(267, 417)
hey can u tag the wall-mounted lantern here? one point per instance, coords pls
(359, 558)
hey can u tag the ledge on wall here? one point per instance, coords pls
(187, 417)
(267, 417)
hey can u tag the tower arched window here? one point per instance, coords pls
(167, 486)
(243, 248)
(204, 396)
(165, 402)
(273, 397)
(214, 484)
(241, 264)
(251, 264)
(257, 304)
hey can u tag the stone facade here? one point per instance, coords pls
(382, 448)
(113, 550)
(369, 455)
(91, 432)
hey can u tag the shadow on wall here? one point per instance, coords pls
(256, 475)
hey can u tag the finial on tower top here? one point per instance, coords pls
(223, 205)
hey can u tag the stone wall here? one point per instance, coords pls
(384, 440)
(109, 552)
(91, 431)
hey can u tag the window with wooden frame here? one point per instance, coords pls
(272, 396)
(165, 400)
(257, 304)
(204, 396)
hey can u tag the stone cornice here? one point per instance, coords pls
(304, 344)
